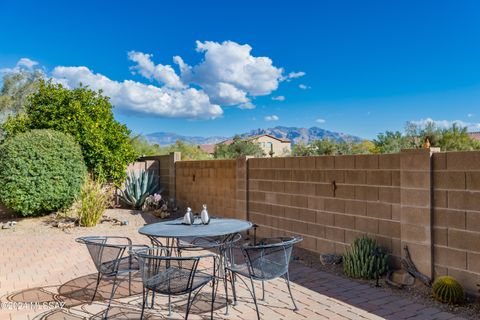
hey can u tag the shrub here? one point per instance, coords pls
(447, 290)
(91, 203)
(41, 171)
(365, 259)
(87, 116)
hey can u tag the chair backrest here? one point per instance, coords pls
(270, 258)
(105, 255)
(166, 274)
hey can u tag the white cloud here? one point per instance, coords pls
(141, 98)
(279, 98)
(230, 74)
(319, 120)
(162, 73)
(293, 75)
(22, 64)
(227, 75)
(272, 118)
(470, 115)
(422, 123)
(303, 86)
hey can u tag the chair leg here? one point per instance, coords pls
(234, 291)
(225, 283)
(111, 296)
(263, 290)
(213, 297)
(170, 305)
(254, 296)
(287, 279)
(99, 277)
(145, 297)
(189, 305)
(129, 283)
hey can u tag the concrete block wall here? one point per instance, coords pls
(212, 182)
(429, 201)
(456, 216)
(329, 200)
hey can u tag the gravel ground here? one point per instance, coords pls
(421, 293)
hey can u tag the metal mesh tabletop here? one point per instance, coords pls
(176, 229)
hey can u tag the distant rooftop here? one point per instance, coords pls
(475, 135)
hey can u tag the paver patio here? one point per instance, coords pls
(38, 268)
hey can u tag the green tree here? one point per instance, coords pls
(144, 148)
(392, 142)
(188, 151)
(301, 150)
(324, 147)
(16, 88)
(87, 116)
(457, 139)
(238, 147)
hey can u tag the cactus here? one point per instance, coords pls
(447, 290)
(138, 188)
(365, 259)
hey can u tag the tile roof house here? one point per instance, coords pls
(475, 135)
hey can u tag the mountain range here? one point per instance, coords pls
(295, 134)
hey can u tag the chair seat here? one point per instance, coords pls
(125, 265)
(263, 269)
(174, 281)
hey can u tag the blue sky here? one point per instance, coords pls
(369, 66)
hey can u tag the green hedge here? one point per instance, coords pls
(41, 171)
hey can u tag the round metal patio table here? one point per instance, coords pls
(175, 229)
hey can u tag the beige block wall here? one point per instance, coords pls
(456, 216)
(328, 200)
(212, 182)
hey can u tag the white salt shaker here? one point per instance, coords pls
(204, 215)
(188, 217)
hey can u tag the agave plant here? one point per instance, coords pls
(138, 188)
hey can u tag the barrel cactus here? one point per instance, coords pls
(447, 290)
(138, 188)
(365, 259)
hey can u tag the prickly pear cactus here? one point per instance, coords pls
(365, 259)
(447, 290)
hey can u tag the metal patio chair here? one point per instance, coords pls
(173, 276)
(112, 258)
(267, 260)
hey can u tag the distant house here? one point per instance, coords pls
(474, 135)
(279, 146)
(208, 148)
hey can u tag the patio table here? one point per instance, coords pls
(172, 230)
(175, 229)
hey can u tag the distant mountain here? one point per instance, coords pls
(168, 138)
(296, 135)
(304, 135)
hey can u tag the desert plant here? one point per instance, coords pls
(447, 290)
(91, 204)
(365, 259)
(138, 188)
(41, 171)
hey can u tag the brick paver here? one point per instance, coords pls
(51, 268)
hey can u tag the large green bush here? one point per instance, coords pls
(87, 116)
(41, 171)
